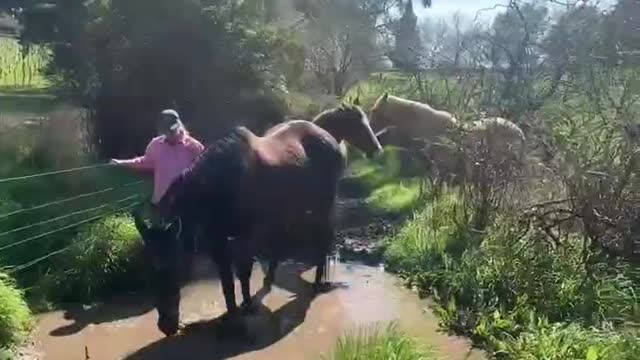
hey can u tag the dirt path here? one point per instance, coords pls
(291, 324)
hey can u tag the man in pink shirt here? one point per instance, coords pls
(167, 156)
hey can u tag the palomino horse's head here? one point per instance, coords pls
(378, 113)
(351, 124)
(162, 251)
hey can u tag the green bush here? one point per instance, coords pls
(16, 320)
(376, 344)
(542, 340)
(106, 259)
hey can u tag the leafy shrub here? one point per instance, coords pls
(542, 340)
(106, 259)
(15, 317)
(377, 344)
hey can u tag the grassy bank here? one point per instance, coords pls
(515, 295)
(16, 320)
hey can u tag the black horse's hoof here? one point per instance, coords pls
(321, 288)
(168, 328)
(248, 308)
(267, 284)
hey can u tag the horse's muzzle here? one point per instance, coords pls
(168, 308)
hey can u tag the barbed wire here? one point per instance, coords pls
(67, 227)
(57, 202)
(66, 248)
(26, 177)
(65, 216)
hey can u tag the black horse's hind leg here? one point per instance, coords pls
(325, 238)
(245, 267)
(271, 271)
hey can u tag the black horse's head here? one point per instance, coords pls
(162, 250)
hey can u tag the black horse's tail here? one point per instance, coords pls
(327, 163)
(324, 157)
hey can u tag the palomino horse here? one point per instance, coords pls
(410, 121)
(415, 126)
(250, 189)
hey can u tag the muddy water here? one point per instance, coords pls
(290, 324)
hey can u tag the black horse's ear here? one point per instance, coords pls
(356, 101)
(385, 97)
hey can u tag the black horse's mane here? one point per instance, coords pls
(211, 180)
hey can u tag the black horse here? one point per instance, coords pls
(245, 190)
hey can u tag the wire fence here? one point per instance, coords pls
(88, 215)
(33, 176)
(64, 249)
(69, 199)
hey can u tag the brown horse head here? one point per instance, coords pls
(351, 124)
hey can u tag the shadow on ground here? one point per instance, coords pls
(213, 339)
(116, 309)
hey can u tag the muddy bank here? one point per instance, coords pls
(291, 324)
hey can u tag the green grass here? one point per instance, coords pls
(570, 342)
(394, 164)
(14, 102)
(378, 344)
(16, 320)
(396, 198)
(18, 69)
(391, 184)
(107, 259)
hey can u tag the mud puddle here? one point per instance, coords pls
(290, 324)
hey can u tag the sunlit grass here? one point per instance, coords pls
(105, 260)
(22, 69)
(16, 320)
(378, 343)
(398, 197)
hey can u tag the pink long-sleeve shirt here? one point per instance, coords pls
(166, 160)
